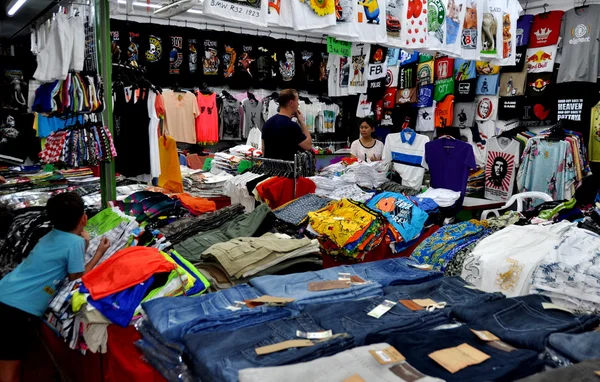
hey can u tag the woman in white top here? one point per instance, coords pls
(367, 148)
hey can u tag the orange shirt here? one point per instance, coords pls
(170, 172)
(444, 112)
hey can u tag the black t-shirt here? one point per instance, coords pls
(282, 137)
(266, 64)
(287, 62)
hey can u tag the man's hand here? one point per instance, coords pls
(103, 246)
(300, 117)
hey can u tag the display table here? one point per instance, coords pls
(122, 362)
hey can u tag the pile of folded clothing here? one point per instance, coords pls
(147, 205)
(225, 162)
(347, 228)
(206, 185)
(245, 151)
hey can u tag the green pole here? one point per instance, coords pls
(103, 41)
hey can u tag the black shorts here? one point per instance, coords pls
(16, 330)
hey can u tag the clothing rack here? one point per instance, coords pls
(288, 162)
(331, 142)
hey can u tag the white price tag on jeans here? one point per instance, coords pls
(381, 309)
(314, 335)
(548, 305)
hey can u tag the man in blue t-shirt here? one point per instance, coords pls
(282, 137)
(26, 291)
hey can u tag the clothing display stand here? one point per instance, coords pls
(294, 163)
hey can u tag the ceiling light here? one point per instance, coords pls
(15, 7)
(197, 11)
(140, 4)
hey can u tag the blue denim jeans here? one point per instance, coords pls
(173, 317)
(296, 286)
(577, 347)
(394, 272)
(220, 356)
(522, 321)
(351, 317)
(502, 366)
(451, 290)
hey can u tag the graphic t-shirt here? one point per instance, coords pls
(545, 29)
(394, 10)
(444, 112)
(539, 84)
(255, 12)
(464, 114)
(455, 18)
(414, 24)
(391, 79)
(313, 15)
(444, 68)
(252, 115)
(404, 215)
(487, 108)
(177, 64)
(436, 33)
(520, 58)
(389, 98)
(192, 55)
(407, 58)
(425, 75)
(309, 66)
(211, 60)
(358, 68)
(371, 21)
(346, 26)
(229, 57)
(541, 59)
(425, 119)
(425, 96)
(471, 42)
(338, 79)
(509, 31)
(510, 108)
(487, 84)
(406, 96)
(266, 65)
(443, 88)
(246, 66)
(464, 69)
(406, 151)
(287, 65)
(485, 67)
(513, 84)
(464, 91)
(523, 30)
(403, 116)
(491, 28)
(364, 107)
(329, 115)
(377, 72)
(594, 140)
(580, 45)
(231, 120)
(500, 167)
(393, 57)
(407, 76)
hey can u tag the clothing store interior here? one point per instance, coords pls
(299, 190)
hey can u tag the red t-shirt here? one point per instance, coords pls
(545, 29)
(444, 68)
(389, 99)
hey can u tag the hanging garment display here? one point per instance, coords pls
(491, 29)
(500, 168)
(545, 29)
(523, 30)
(464, 115)
(541, 59)
(394, 9)
(230, 119)
(471, 39)
(346, 26)
(414, 24)
(181, 110)
(455, 18)
(580, 46)
(371, 19)
(255, 12)
(313, 14)
(376, 72)
(211, 60)
(444, 112)
(207, 122)
(406, 151)
(358, 75)
(449, 162)
(436, 24)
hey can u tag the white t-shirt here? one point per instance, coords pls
(491, 43)
(443, 197)
(286, 17)
(436, 29)
(470, 41)
(406, 150)
(455, 18)
(306, 18)
(364, 107)
(500, 168)
(153, 135)
(256, 13)
(509, 43)
(346, 26)
(425, 119)
(371, 20)
(358, 68)
(394, 9)
(254, 138)
(364, 154)
(339, 75)
(327, 118)
(504, 262)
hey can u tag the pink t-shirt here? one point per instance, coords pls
(207, 123)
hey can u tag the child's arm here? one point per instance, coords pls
(102, 248)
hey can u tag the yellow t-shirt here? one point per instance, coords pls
(170, 172)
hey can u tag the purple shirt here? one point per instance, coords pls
(449, 162)
(523, 28)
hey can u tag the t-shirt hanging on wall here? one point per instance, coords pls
(485, 67)
(358, 66)
(389, 98)
(231, 123)
(287, 62)
(465, 90)
(541, 59)
(371, 20)
(470, 42)
(520, 58)
(539, 84)
(391, 78)
(207, 123)
(509, 30)
(545, 29)
(455, 18)
(425, 119)
(407, 76)
(329, 114)
(464, 114)
(192, 56)
(211, 60)
(425, 73)
(444, 68)
(436, 32)
(339, 75)
(155, 51)
(403, 116)
(229, 57)
(394, 10)
(252, 115)
(425, 96)
(363, 109)
(286, 16)
(406, 96)
(414, 24)
(177, 65)
(274, 11)
(580, 45)
(523, 30)
(538, 111)
(464, 69)
(246, 66)
(377, 72)
(487, 108)
(393, 57)
(500, 167)
(510, 107)
(313, 14)
(407, 58)
(255, 12)
(513, 84)
(443, 88)
(266, 65)
(310, 67)
(594, 140)
(181, 110)
(444, 112)
(346, 26)
(487, 84)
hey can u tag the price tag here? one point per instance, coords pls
(341, 48)
(548, 305)
(314, 335)
(381, 309)
(328, 285)
(282, 346)
(485, 335)
(355, 378)
(387, 355)
(459, 357)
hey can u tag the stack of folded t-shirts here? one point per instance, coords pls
(225, 162)
(296, 211)
(206, 185)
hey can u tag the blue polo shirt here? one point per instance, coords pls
(31, 285)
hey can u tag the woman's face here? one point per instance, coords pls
(366, 130)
